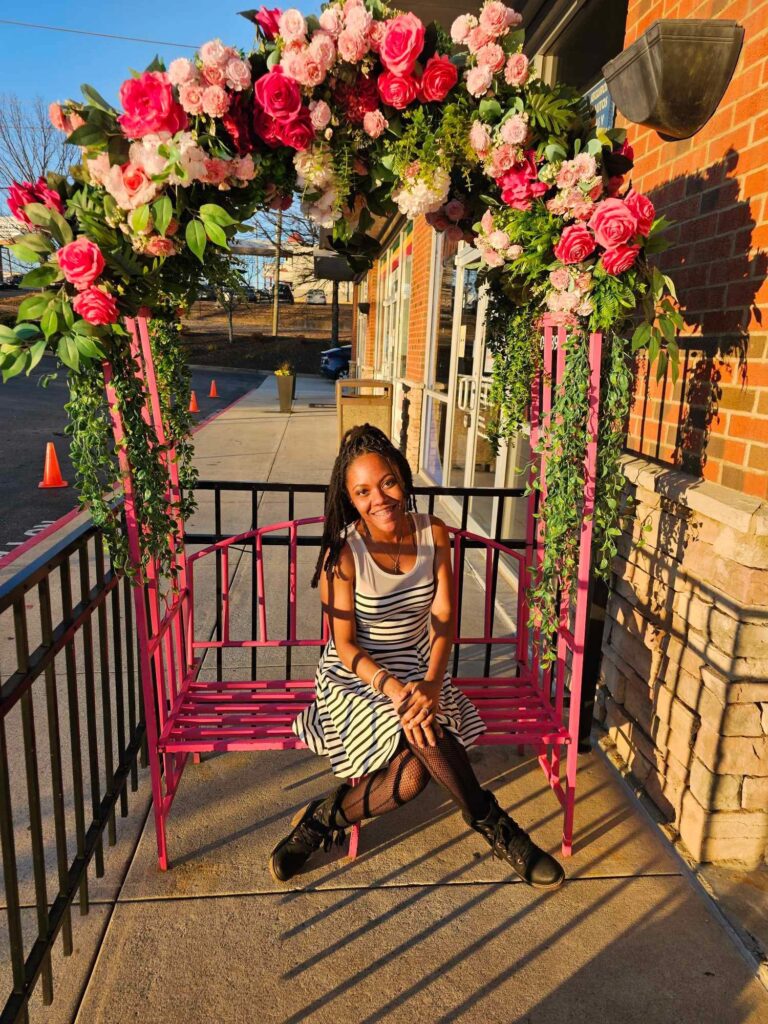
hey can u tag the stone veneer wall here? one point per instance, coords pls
(683, 692)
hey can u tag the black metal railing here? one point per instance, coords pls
(73, 664)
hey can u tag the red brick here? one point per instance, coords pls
(749, 427)
(755, 484)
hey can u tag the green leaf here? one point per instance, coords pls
(157, 64)
(163, 213)
(39, 214)
(67, 313)
(216, 214)
(67, 352)
(32, 308)
(641, 336)
(36, 354)
(196, 238)
(7, 335)
(273, 59)
(15, 367)
(140, 218)
(49, 322)
(83, 327)
(37, 242)
(216, 234)
(89, 136)
(27, 332)
(118, 148)
(96, 99)
(667, 328)
(41, 276)
(490, 110)
(661, 366)
(60, 229)
(87, 347)
(24, 253)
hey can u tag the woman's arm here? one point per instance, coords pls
(338, 597)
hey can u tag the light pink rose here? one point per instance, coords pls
(57, 118)
(580, 207)
(323, 49)
(491, 56)
(96, 306)
(498, 239)
(98, 168)
(486, 222)
(332, 21)
(516, 71)
(375, 124)
(376, 33)
(514, 251)
(567, 176)
(479, 81)
(575, 245)
(159, 246)
(480, 138)
(292, 26)
(503, 159)
(491, 257)
(514, 131)
(496, 18)
(81, 262)
(302, 66)
(214, 75)
(402, 43)
(477, 39)
(149, 106)
(277, 94)
(615, 261)
(214, 53)
(559, 278)
(585, 166)
(454, 210)
(462, 26)
(216, 171)
(191, 97)
(320, 114)
(438, 78)
(643, 209)
(358, 20)
(397, 90)
(352, 46)
(238, 74)
(613, 223)
(215, 101)
(182, 70)
(243, 168)
(130, 186)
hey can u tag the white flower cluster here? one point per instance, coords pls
(419, 195)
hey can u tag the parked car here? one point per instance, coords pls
(334, 362)
(284, 293)
(316, 296)
(263, 295)
(11, 281)
(207, 292)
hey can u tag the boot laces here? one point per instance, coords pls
(315, 834)
(510, 838)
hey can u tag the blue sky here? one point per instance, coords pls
(54, 64)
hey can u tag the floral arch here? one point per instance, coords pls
(363, 111)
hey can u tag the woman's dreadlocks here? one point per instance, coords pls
(339, 510)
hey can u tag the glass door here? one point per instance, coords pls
(465, 330)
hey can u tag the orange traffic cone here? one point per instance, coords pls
(213, 393)
(193, 406)
(52, 471)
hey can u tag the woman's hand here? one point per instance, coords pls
(418, 706)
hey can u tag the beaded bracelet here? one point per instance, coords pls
(376, 674)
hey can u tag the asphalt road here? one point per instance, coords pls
(31, 415)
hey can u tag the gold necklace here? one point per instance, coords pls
(395, 560)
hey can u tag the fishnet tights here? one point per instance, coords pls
(408, 774)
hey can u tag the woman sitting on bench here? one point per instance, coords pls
(386, 710)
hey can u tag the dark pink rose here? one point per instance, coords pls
(81, 262)
(96, 306)
(397, 90)
(439, 77)
(615, 261)
(149, 106)
(575, 245)
(268, 20)
(643, 209)
(520, 185)
(401, 44)
(21, 194)
(613, 223)
(626, 151)
(298, 132)
(265, 127)
(238, 122)
(278, 94)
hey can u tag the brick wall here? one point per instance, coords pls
(714, 421)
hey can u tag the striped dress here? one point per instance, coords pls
(356, 727)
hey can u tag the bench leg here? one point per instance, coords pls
(354, 839)
(570, 798)
(196, 757)
(157, 807)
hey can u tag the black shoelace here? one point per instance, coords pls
(315, 834)
(509, 838)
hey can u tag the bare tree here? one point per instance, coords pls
(298, 231)
(29, 144)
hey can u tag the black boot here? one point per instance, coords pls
(511, 843)
(320, 823)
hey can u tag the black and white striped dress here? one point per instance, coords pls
(357, 728)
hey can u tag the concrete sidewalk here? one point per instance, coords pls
(424, 925)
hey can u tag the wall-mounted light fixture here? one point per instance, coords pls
(673, 77)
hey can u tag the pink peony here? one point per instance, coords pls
(57, 117)
(298, 132)
(477, 39)
(352, 46)
(191, 97)
(320, 114)
(490, 256)
(479, 81)
(480, 138)
(331, 21)
(498, 239)
(613, 223)
(358, 20)
(159, 246)
(462, 26)
(96, 306)
(214, 54)
(149, 106)
(130, 186)
(559, 278)
(520, 185)
(182, 70)
(268, 20)
(292, 26)
(323, 49)
(575, 245)
(243, 168)
(643, 209)
(397, 90)
(454, 210)
(585, 166)
(277, 94)
(402, 43)
(491, 56)
(496, 18)
(439, 77)
(615, 261)
(374, 123)
(514, 131)
(516, 71)
(238, 74)
(81, 262)
(215, 101)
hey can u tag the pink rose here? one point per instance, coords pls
(514, 131)
(149, 106)
(298, 132)
(376, 33)
(266, 127)
(374, 123)
(57, 118)
(516, 71)
(491, 56)
(81, 262)
(613, 223)
(520, 185)
(96, 306)
(643, 209)
(497, 19)
(352, 46)
(191, 97)
(215, 101)
(238, 74)
(292, 26)
(358, 20)
(214, 75)
(331, 21)
(243, 168)
(277, 94)
(159, 246)
(575, 245)
(477, 39)
(214, 54)
(462, 26)
(439, 77)
(498, 239)
(323, 49)
(454, 210)
(559, 278)
(615, 261)
(480, 138)
(216, 171)
(504, 159)
(479, 81)
(268, 20)
(397, 90)
(130, 186)
(320, 114)
(182, 70)
(402, 43)
(24, 193)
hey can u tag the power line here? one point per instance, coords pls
(99, 35)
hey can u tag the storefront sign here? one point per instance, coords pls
(605, 108)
